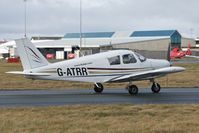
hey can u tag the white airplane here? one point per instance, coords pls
(107, 67)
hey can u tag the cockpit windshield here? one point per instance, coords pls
(140, 57)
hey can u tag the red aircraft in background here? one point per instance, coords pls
(177, 53)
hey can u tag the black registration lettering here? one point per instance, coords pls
(59, 72)
(78, 70)
(72, 72)
(69, 72)
(84, 71)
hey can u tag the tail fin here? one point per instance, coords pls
(30, 56)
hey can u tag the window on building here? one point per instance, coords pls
(114, 60)
(128, 58)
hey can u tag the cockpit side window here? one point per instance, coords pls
(128, 58)
(140, 57)
(114, 60)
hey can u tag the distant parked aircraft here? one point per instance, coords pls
(177, 53)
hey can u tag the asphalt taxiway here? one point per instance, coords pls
(110, 96)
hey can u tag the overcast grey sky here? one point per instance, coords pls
(57, 17)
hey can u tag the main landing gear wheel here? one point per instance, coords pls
(98, 88)
(133, 89)
(155, 87)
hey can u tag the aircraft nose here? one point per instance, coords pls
(167, 63)
(160, 63)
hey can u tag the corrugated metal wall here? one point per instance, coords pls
(152, 45)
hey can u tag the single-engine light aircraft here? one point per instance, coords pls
(106, 67)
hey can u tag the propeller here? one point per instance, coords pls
(168, 54)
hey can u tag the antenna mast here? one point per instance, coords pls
(25, 6)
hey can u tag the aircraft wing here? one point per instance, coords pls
(147, 74)
(28, 74)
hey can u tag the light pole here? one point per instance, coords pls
(25, 6)
(191, 32)
(80, 14)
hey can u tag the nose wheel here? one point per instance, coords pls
(98, 88)
(155, 87)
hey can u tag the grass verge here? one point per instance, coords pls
(102, 118)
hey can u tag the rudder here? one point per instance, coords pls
(30, 56)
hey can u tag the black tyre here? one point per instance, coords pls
(133, 89)
(98, 88)
(156, 88)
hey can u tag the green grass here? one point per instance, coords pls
(189, 78)
(102, 119)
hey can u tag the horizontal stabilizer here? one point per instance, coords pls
(28, 74)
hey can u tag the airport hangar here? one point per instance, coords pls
(152, 44)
